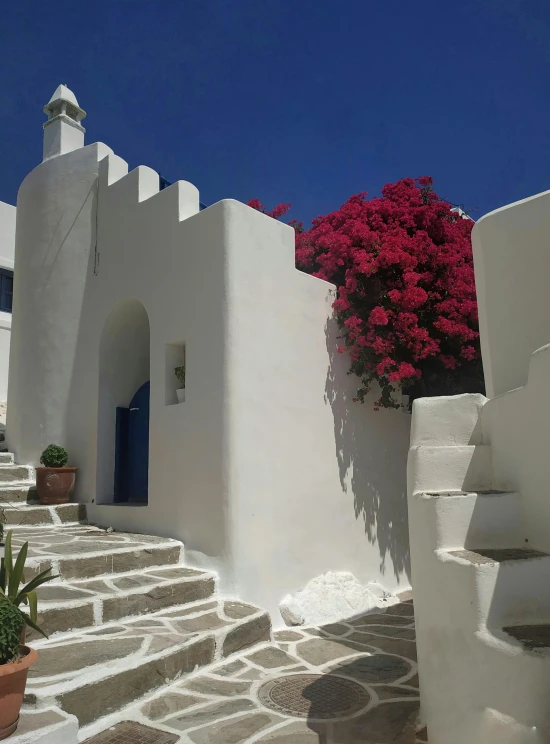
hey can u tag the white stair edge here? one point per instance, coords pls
(499, 593)
(469, 520)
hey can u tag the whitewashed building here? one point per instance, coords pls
(267, 470)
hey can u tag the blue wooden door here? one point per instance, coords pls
(132, 449)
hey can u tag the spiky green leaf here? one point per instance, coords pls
(42, 578)
(33, 606)
(33, 625)
(2, 576)
(17, 573)
(8, 562)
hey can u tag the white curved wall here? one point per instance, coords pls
(512, 264)
(55, 242)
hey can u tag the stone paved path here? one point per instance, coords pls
(96, 672)
(348, 683)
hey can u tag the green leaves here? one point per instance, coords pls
(54, 456)
(37, 581)
(180, 374)
(11, 578)
(12, 622)
(30, 622)
(16, 575)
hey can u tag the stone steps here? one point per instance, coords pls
(84, 552)
(23, 515)
(13, 473)
(125, 616)
(19, 492)
(95, 673)
(71, 605)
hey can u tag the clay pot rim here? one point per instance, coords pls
(59, 470)
(30, 658)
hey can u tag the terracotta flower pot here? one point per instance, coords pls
(55, 485)
(13, 678)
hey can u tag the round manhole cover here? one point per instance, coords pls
(314, 696)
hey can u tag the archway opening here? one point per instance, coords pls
(123, 406)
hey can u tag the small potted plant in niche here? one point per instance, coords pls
(15, 657)
(55, 481)
(180, 374)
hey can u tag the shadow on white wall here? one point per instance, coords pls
(371, 448)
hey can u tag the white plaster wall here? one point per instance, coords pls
(517, 425)
(512, 263)
(268, 472)
(55, 242)
(7, 251)
(318, 481)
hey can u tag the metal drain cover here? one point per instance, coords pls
(314, 696)
(130, 732)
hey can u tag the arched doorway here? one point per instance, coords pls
(123, 406)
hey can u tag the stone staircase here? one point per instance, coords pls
(125, 617)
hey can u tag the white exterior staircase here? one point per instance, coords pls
(482, 595)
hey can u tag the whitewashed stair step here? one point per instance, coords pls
(498, 587)
(487, 519)
(531, 637)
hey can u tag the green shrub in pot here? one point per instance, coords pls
(55, 481)
(54, 456)
(15, 657)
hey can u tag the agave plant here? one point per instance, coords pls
(11, 578)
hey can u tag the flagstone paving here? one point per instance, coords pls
(143, 650)
(96, 672)
(352, 682)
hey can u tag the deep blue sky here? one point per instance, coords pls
(306, 101)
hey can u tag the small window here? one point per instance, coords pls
(6, 290)
(175, 373)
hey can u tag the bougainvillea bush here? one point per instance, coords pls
(406, 301)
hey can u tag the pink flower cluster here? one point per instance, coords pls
(403, 266)
(277, 212)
